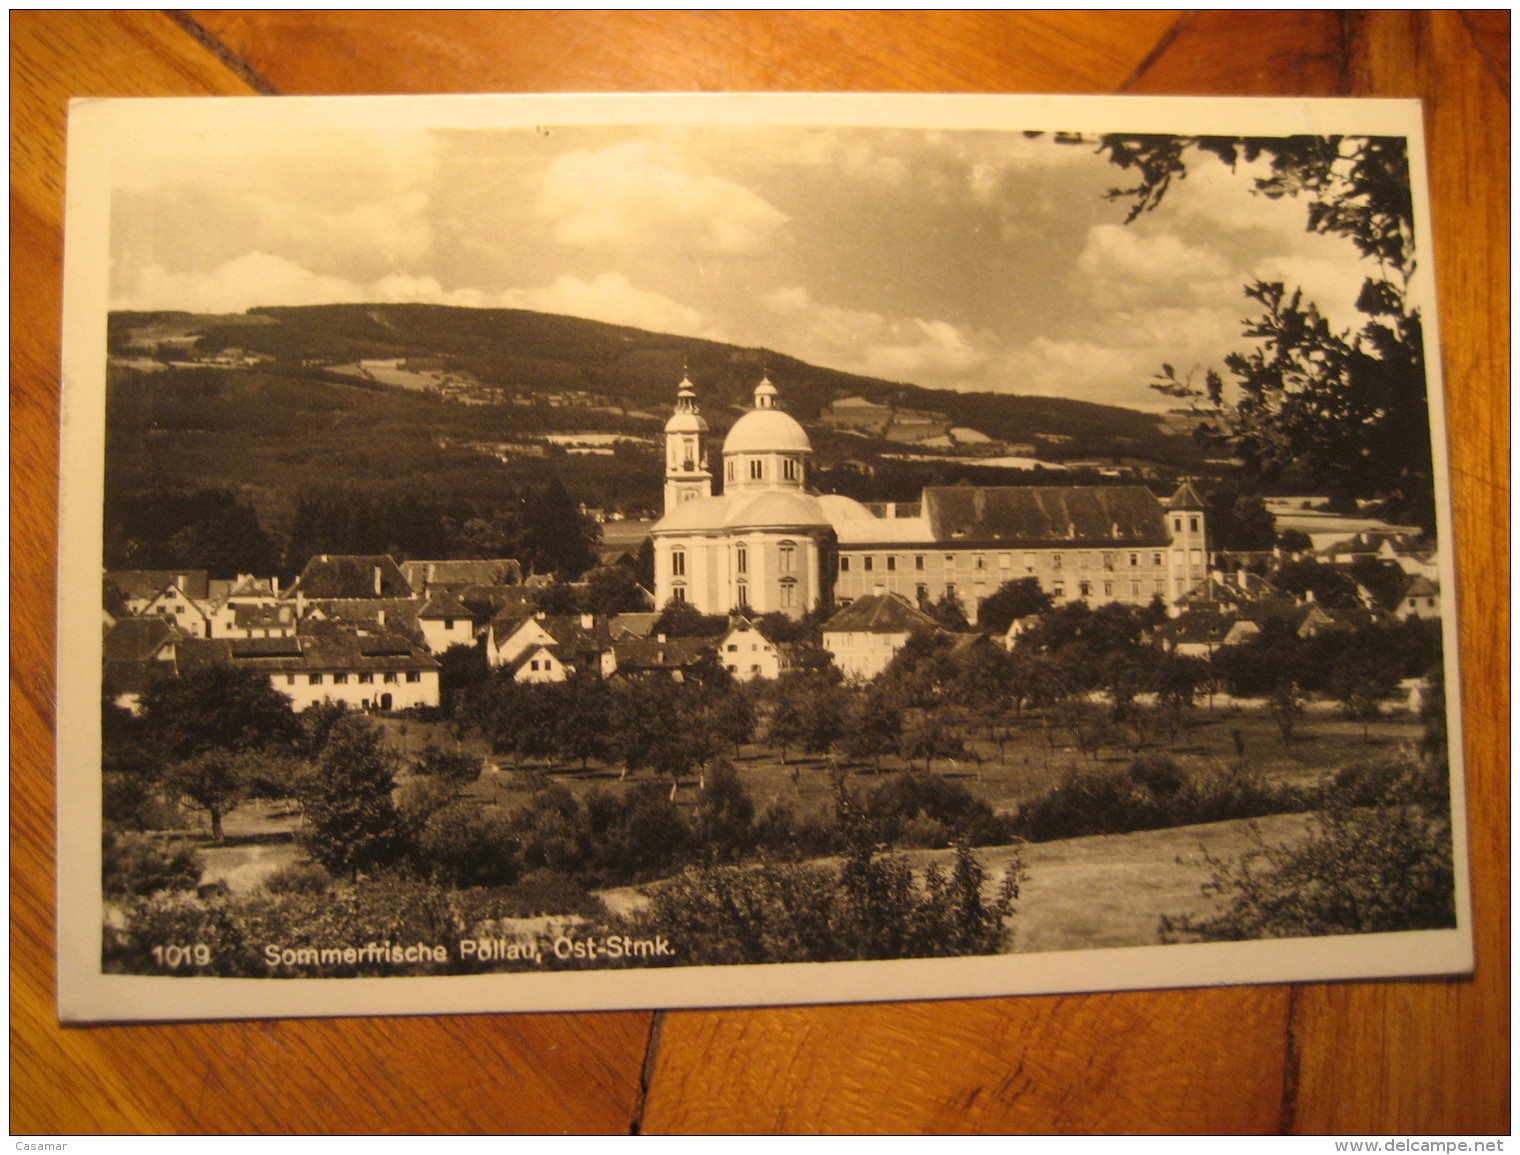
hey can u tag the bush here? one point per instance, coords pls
(908, 810)
(1360, 871)
(1151, 794)
(135, 865)
(299, 878)
(464, 844)
(869, 908)
(448, 765)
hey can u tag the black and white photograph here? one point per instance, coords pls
(563, 553)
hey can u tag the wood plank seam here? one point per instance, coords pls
(1500, 75)
(1287, 1112)
(255, 80)
(646, 1073)
(1158, 50)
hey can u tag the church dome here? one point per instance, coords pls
(767, 431)
(774, 510)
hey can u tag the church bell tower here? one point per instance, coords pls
(686, 473)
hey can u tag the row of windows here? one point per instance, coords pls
(787, 554)
(343, 679)
(791, 469)
(786, 593)
(1108, 559)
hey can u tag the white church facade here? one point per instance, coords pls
(768, 544)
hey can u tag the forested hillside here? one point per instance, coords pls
(280, 417)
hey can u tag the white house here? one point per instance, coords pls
(864, 636)
(746, 653)
(366, 672)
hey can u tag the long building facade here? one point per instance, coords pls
(768, 544)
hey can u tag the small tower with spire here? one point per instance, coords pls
(686, 473)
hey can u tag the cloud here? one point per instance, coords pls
(264, 279)
(608, 297)
(253, 279)
(626, 196)
(862, 341)
(1122, 266)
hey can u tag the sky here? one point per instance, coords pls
(961, 259)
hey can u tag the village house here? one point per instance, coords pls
(363, 671)
(141, 588)
(1421, 599)
(660, 656)
(747, 653)
(551, 647)
(138, 652)
(865, 635)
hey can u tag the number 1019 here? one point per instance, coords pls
(174, 956)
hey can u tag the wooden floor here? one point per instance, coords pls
(1390, 1058)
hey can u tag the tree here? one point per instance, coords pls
(353, 825)
(463, 668)
(1347, 409)
(452, 766)
(683, 620)
(723, 820)
(1361, 686)
(1013, 600)
(582, 707)
(557, 537)
(216, 707)
(614, 589)
(214, 780)
(1286, 706)
(873, 727)
(949, 611)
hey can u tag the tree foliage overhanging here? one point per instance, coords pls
(1346, 408)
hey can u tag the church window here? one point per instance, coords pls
(679, 593)
(870, 563)
(788, 594)
(918, 561)
(756, 469)
(789, 469)
(743, 594)
(678, 563)
(1193, 524)
(891, 561)
(844, 565)
(788, 557)
(741, 559)
(731, 471)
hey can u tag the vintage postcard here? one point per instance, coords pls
(608, 552)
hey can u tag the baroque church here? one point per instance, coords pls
(767, 543)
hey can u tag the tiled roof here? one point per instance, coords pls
(443, 605)
(653, 654)
(879, 614)
(495, 571)
(335, 651)
(1186, 497)
(1051, 515)
(352, 576)
(637, 625)
(146, 583)
(262, 617)
(138, 639)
